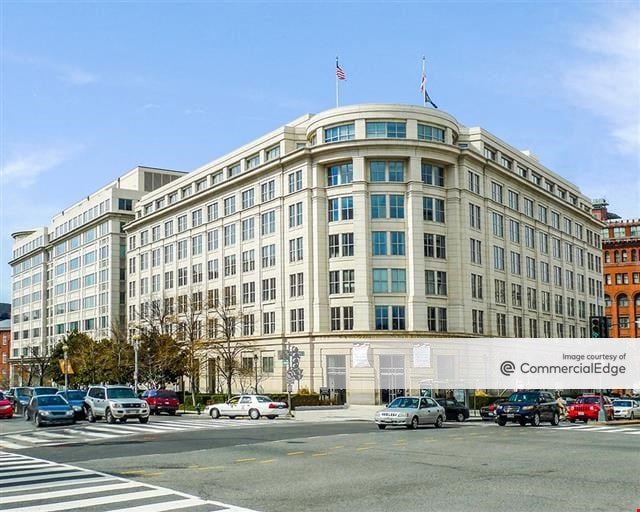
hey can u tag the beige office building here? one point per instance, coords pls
(70, 275)
(348, 232)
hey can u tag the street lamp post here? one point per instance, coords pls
(255, 366)
(136, 347)
(65, 350)
(22, 370)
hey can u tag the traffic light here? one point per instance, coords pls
(599, 327)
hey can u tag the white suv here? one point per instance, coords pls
(114, 403)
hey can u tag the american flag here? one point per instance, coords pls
(340, 72)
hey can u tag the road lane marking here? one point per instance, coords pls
(295, 453)
(362, 448)
(267, 461)
(319, 454)
(248, 459)
(210, 467)
(337, 447)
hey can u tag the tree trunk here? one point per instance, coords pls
(229, 379)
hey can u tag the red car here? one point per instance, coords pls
(161, 400)
(587, 407)
(6, 407)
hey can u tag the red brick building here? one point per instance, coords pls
(5, 349)
(621, 256)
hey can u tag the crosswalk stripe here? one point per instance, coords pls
(91, 502)
(162, 507)
(637, 432)
(20, 462)
(71, 482)
(22, 467)
(54, 435)
(28, 439)
(110, 430)
(597, 429)
(95, 434)
(59, 494)
(31, 471)
(32, 478)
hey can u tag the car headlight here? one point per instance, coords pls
(528, 407)
(45, 413)
(68, 413)
(77, 408)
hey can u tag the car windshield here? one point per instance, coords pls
(523, 397)
(51, 400)
(121, 393)
(622, 403)
(588, 400)
(164, 393)
(75, 395)
(404, 403)
(45, 391)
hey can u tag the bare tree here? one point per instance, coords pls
(40, 363)
(222, 342)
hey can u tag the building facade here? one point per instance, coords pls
(70, 275)
(347, 232)
(621, 250)
(5, 353)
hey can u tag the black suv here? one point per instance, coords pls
(529, 407)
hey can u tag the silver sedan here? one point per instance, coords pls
(410, 412)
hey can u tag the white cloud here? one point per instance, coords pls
(606, 79)
(79, 77)
(24, 168)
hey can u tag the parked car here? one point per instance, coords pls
(488, 412)
(19, 397)
(454, 410)
(587, 407)
(411, 412)
(160, 400)
(6, 407)
(627, 409)
(43, 409)
(114, 403)
(75, 398)
(529, 407)
(253, 406)
(43, 390)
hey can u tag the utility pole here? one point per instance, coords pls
(136, 347)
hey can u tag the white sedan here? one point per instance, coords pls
(253, 406)
(628, 409)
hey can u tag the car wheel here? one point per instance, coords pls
(522, 422)
(460, 417)
(382, 427)
(502, 421)
(271, 417)
(37, 421)
(414, 423)
(215, 414)
(108, 416)
(123, 420)
(439, 421)
(572, 421)
(232, 417)
(172, 413)
(91, 418)
(586, 420)
(556, 419)
(536, 420)
(254, 414)
(144, 419)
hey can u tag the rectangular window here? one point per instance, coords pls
(500, 291)
(339, 174)
(248, 260)
(477, 321)
(247, 198)
(268, 191)
(475, 251)
(435, 246)
(432, 175)
(388, 130)
(496, 192)
(229, 235)
(436, 282)
(339, 133)
(431, 133)
(474, 182)
(269, 256)
(295, 181)
(379, 243)
(295, 215)
(476, 286)
(268, 223)
(397, 243)
(514, 200)
(498, 258)
(433, 209)
(436, 319)
(474, 216)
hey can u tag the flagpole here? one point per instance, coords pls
(424, 95)
(337, 97)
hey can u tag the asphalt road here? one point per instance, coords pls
(352, 466)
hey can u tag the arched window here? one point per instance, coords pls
(616, 257)
(623, 301)
(607, 257)
(634, 255)
(624, 255)
(638, 301)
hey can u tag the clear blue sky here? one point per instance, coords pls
(90, 90)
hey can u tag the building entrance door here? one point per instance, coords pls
(391, 377)
(337, 378)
